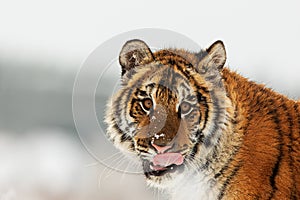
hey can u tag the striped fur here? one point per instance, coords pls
(239, 139)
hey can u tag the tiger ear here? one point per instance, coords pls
(134, 53)
(215, 57)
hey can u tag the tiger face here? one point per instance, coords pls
(168, 111)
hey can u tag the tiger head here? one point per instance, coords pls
(170, 109)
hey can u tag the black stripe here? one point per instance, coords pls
(193, 152)
(297, 111)
(276, 167)
(135, 109)
(206, 114)
(296, 107)
(117, 128)
(217, 111)
(125, 138)
(224, 168)
(151, 85)
(200, 98)
(143, 151)
(119, 107)
(235, 151)
(199, 136)
(127, 97)
(175, 77)
(140, 92)
(141, 145)
(291, 162)
(294, 195)
(274, 174)
(132, 147)
(228, 181)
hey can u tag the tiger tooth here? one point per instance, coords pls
(151, 167)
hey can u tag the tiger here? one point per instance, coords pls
(202, 131)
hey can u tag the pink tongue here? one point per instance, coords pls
(167, 159)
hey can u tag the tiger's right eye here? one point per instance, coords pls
(185, 107)
(147, 104)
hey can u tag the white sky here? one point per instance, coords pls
(259, 35)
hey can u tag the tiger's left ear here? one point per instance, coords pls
(134, 53)
(215, 57)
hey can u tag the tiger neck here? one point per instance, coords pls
(229, 134)
(248, 96)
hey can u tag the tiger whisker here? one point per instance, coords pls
(111, 156)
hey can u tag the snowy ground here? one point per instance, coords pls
(48, 164)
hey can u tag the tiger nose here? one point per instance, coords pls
(160, 149)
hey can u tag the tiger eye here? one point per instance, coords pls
(147, 104)
(185, 107)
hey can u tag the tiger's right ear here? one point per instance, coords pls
(134, 53)
(215, 57)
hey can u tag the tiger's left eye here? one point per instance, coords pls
(185, 107)
(147, 104)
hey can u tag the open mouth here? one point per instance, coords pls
(155, 170)
(163, 163)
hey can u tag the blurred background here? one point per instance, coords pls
(44, 43)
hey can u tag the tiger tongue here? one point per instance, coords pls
(167, 159)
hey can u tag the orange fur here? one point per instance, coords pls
(270, 153)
